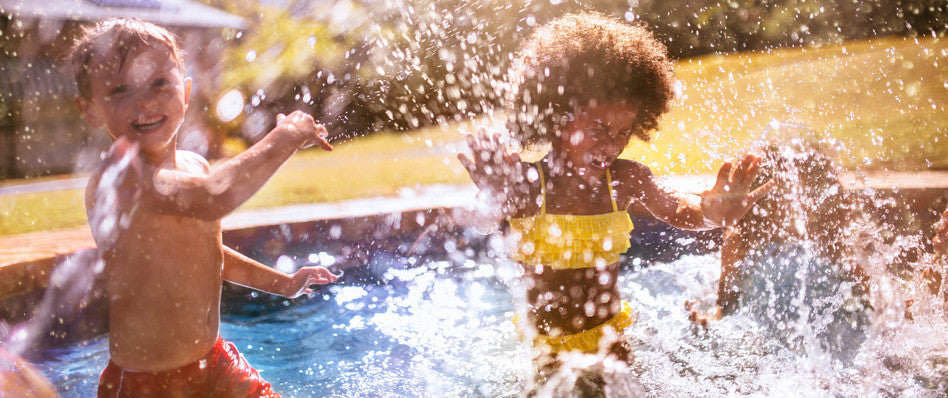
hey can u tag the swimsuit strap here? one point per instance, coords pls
(542, 189)
(612, 195)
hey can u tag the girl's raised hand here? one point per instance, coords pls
(731, 197)
(494, 169)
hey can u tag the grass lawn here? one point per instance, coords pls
(885, 100)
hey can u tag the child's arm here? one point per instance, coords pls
(244, 271)
(940, 241)
(933, 276)
(722, 205)
(733, 250)
(226, 186)
(497, 173)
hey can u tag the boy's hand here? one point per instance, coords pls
(304, 129)
(731, 197)
(305, 277)
(493, 169)
(940, 241)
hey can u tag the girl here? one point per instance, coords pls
(586, 85)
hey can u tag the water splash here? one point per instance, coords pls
(70, 291)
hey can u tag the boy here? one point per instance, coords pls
(155, 214)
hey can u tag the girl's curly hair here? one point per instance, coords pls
(572, 61)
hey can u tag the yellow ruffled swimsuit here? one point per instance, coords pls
(568, 241)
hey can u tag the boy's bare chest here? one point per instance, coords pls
(161, 239)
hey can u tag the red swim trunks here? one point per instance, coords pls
(223, 372)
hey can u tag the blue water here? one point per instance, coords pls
(442, 328)
(437, 329)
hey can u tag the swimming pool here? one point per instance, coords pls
(440, 327)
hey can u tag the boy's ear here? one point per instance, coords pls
(187, 91)
(85, 109)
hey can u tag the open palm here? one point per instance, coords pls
(494, 169)
(731, 197)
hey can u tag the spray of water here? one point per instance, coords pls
(75, 283)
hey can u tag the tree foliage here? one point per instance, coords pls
(367, 65)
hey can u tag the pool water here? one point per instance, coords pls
(437, 329)
(442, 328)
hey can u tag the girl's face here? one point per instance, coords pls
(596, 135)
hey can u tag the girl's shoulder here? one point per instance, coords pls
(628, 171)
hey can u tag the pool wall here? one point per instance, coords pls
(408, 225)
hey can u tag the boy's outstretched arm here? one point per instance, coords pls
(223, 188)
(722, 205)
(245, 271)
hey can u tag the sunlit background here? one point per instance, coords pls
(398, 83)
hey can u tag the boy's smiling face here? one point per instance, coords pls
(597, 135)
(142, 97)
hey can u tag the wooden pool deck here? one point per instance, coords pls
(27, 260)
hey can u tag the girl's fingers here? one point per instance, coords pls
(723, 176)
(469, 139)
(762, 191)
(473, 145)
(741, 171)
(477, 147)
(466, 162)
(751, 172)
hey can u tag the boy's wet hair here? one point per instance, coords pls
(574, 61)
(120, 35)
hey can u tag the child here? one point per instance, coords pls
(940, 241)
(934, 276)
(786, 260)
(808, 205)
(155, 214)
(587, 84)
